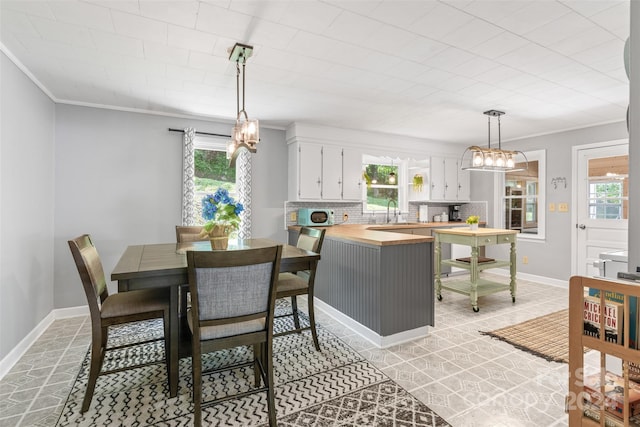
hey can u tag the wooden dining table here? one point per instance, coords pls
(165, 265)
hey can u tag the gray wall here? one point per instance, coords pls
(27, 124)
(550, 257)
(118, 177)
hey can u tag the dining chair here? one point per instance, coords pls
(301, 283)
(185, 234)
(189, 233)
(232, 304)
(116, 309)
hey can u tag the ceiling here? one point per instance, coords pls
(420, 68)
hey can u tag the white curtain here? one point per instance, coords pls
(188, 170)
(243, 185)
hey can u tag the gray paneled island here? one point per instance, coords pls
(378, 282)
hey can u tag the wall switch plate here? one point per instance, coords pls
(525, 259)
(563, 207)
(293, 216)
(552, 207)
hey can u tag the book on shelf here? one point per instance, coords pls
(614, 393)
(593, 412)
(634, 371)
(613, 317)
(634, 314)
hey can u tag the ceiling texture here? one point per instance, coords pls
(420, 68)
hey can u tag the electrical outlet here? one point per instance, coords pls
(293, 216)
(525, 259)
(345, 217)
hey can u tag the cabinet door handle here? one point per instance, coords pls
(506, 239)
(487, 240)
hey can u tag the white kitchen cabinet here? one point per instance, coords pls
(331, 172)
(448, 182)
(351, 174)
(324, 172)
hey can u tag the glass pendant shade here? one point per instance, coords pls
(493, 159)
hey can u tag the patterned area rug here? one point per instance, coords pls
(334, 387)
(545, 336)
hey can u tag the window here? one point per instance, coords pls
(523, 197)
(384, 179)
(211, 170)
(606, 200)
(609, 187)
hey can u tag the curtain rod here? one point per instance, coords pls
(200, 133)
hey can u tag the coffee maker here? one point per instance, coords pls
(454, 213)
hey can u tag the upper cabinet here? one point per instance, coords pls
(448, 182)
(324, 172)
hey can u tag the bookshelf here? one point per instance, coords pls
(578, 341)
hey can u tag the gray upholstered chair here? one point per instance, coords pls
(232, 304)
(116, 309)
(302, 282)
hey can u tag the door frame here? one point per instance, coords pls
(574, 193)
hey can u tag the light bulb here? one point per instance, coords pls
(488, 161)
(392, 178)
(477, 158)
(500, 160)
(510, 162)
(231, 147)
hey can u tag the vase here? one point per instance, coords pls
(473, 226)
(219, 238)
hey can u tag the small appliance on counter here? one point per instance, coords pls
(454, 213)
(313, 216)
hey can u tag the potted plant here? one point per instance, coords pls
(418, 182)
(472, 220)
(223, 215)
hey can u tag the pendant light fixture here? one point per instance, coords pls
(246, 132)
(493, 159)
(392, 174)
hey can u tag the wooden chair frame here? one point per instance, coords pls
(317, 234)
(95, 287)
(262, 340)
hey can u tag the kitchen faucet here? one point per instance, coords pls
(395, 207)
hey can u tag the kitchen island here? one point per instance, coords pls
(377, 279)
(476, 239)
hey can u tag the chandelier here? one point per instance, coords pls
(246, 133)
(493, 159)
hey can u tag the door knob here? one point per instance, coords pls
(581, 226)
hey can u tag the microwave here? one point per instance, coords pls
(310, 217)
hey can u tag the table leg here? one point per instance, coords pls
(438, 258)
(512, 271)
(174, 341)
(473, 291)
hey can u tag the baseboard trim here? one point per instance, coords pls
(534, 278)
(366, 333)
(19, 350)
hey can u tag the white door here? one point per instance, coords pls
(464, 183)
(602, 204)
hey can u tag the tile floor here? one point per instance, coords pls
(467, 378)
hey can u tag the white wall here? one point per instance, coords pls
(27, 123)
(118, 178)
(550, 257)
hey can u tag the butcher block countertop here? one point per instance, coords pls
(382, 234)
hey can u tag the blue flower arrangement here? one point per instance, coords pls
(222, 213)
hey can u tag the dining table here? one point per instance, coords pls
(165, 265)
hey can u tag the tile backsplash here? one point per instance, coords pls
(356, 216)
